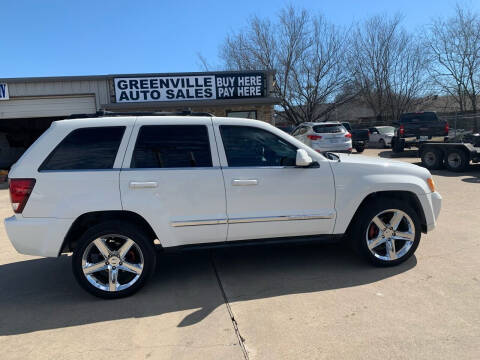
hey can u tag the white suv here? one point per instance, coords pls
(108, 188)
(326, 136)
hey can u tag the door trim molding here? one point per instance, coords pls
(245, 220)
(198, 222)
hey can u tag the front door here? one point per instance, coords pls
(267, 196)
(171, 176)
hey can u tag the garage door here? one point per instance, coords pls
(46, 106)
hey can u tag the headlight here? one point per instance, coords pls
(431, 184)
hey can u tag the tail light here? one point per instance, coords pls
(447, 128)
(348, 135)
(314, 137)
(401, 130)
(20, 190)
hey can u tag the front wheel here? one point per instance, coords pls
(387, 232)
(113, 260)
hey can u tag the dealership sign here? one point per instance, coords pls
(4, 91)
(184, 88)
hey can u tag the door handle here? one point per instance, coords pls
(143, 184)
(248, 182)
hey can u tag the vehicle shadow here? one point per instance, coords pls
(389, 154)
(42, 294)
(473, 179)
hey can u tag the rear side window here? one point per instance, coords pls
(329, 129)
(172, 146)
(86, 148)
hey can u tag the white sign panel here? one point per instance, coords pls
(4, 91)
(184, 88)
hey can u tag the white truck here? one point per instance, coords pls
(108, 188)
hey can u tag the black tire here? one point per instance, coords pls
(127, 230)
(360, 148)
(456, 160)
(382, 144)
(363, 223)
(398, 145)
(432, 158)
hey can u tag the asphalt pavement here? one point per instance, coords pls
(315, 301)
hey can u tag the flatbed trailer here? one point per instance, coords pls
(454, 156)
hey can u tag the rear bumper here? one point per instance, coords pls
(37, 236)
(431, 204)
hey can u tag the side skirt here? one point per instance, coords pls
(331, 238)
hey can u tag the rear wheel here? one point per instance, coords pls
(387, 232)
(360, 148)
(398, 145)
(456, 160)
(113, 260)
(432, 158)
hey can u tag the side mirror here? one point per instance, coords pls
(303, 159)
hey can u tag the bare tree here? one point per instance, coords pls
(454, 47)
(307, 53)
(202, 62)
(388, 66)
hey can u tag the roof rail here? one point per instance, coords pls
(102, 113)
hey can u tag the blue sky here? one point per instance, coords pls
(94, 37)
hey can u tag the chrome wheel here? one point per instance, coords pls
(454, 160)
(112, 262)
(390, 234)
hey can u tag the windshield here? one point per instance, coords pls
(328, 128)
(386, 130)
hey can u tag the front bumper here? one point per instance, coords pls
(37, 236)
(431, 204)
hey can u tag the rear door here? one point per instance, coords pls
(267, 196)
(374, 135)
(171, 176)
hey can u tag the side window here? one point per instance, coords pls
(86, 148)
(300, 131)
(303, 130)
(250, 146)
(172, 146)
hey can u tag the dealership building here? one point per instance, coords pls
(29, 105)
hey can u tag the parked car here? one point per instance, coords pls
(359, 137)
(324, 136)
(417, 128)
(381, 135)
(109, 188)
